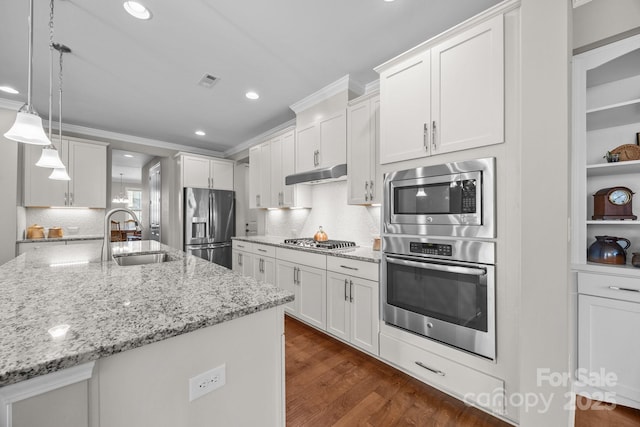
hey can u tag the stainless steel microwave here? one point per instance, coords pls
(453, 200)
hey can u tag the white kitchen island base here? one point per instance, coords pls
(149, 385)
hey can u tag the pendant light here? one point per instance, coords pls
(122, 196)
(49, 157)
(60, 174)
(28, 125)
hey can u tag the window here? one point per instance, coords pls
(135, 202)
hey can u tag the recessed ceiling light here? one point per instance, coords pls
(9, 90)
(252, 95)
(137, 10)
(389, 1)
(200, 133)
(128, 155)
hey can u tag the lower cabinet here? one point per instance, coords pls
(352, 310)
(309, 286)
(264, 269)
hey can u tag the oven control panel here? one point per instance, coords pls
(430, 248)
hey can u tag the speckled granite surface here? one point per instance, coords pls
(62, 239)
(108, 308)
(359, 253)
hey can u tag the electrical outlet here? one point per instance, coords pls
(206, 382)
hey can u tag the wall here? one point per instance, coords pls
(89, 221)
(8, 187)
(604, 21)
(330, 210)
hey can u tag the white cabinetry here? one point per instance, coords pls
(305, 275)
(243, 258)
(323, 143)
(264, 263)
(363, 123)
(352, 302)
(444, 97)
(282, 151)
(204, 172)
(260, 176)
(87, 167)
(606, 327)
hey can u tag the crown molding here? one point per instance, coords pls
(259, 138)
(373, 86)
(340, 85)
(10, 104)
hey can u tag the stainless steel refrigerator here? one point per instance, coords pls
(209, 224)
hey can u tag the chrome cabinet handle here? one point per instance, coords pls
(616, 288)
(348, 268)
(261, 265)
(371, 191)
(258, 200)
(239, 259)
(435, 371)
(262, 250)
(433, 135)
(350, 291)
(346, 282)
(425, 137)
(366, 191)
(70, 199)
(66, 199)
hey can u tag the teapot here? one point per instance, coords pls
(607, 250)
(320, 235)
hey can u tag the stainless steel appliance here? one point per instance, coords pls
(308, 242)
(441, 289)
(452, 199)
(209, 224)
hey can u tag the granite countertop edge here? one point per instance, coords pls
(357, 253)
(61, 239)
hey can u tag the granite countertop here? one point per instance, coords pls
(62, 239)
(109, 308)
(359, 253)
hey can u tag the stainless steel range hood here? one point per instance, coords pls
(317, 175)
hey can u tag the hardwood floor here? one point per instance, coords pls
(331, 384)
(591, 413)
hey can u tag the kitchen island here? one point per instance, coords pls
(148, 329)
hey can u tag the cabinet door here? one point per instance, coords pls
(288, 167)
(405, 110)
(243, 263)
(265, 176)
(195, 172)
(333, 140)
(307, 144)
(338, 306)
(606, 329)
(360, 150)
(221, 175)
(39, 190)
(254, 177)
(285, 278)
(364, 313)
(88, 172)
(376, 181)
(468, 89)
(268, 270)
(277, 180)
(312, 295)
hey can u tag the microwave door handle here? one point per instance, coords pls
(439, 267)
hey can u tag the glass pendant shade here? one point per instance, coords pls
(60, 174)
(28, 129)
(50, 159)
(122, 196)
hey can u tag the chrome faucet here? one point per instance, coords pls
(106, 242)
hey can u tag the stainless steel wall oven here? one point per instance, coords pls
(442, 289)
(453, 199)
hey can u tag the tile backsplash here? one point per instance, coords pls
(88, 221)
(330, 210)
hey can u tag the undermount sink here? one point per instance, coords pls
(140, 259)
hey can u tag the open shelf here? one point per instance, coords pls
(617, 168)
(612, 222)
(619, 114)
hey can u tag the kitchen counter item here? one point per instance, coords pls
(627, 152)
(607, 250)
(376, 243)
(320, 244)
(35, 231)
(55, 233)
(109, 308)
(321, 236)
(635, 260)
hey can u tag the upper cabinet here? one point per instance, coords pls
(363, 123)
(260, 176)
(322, 143)
(87, 167)
(446, 98)
(205, 172)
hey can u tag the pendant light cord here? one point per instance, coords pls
(51, 70)
(30, 56)
(60, 100)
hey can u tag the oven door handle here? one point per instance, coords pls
(476, 271)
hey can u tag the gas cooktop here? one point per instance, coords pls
(308, 242)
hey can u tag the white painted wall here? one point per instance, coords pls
(600, 20)
(545, 118)
(88, 221)
(8, 187)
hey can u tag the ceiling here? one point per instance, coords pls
(129, 164)
(140, 78)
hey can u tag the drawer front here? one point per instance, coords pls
(242, 246)
(616, 287)
(264, 250)
(302, 257)
(352, 267)
(468, 384)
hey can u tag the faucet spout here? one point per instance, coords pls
(106, 241)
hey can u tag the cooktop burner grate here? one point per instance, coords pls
(327, 244)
